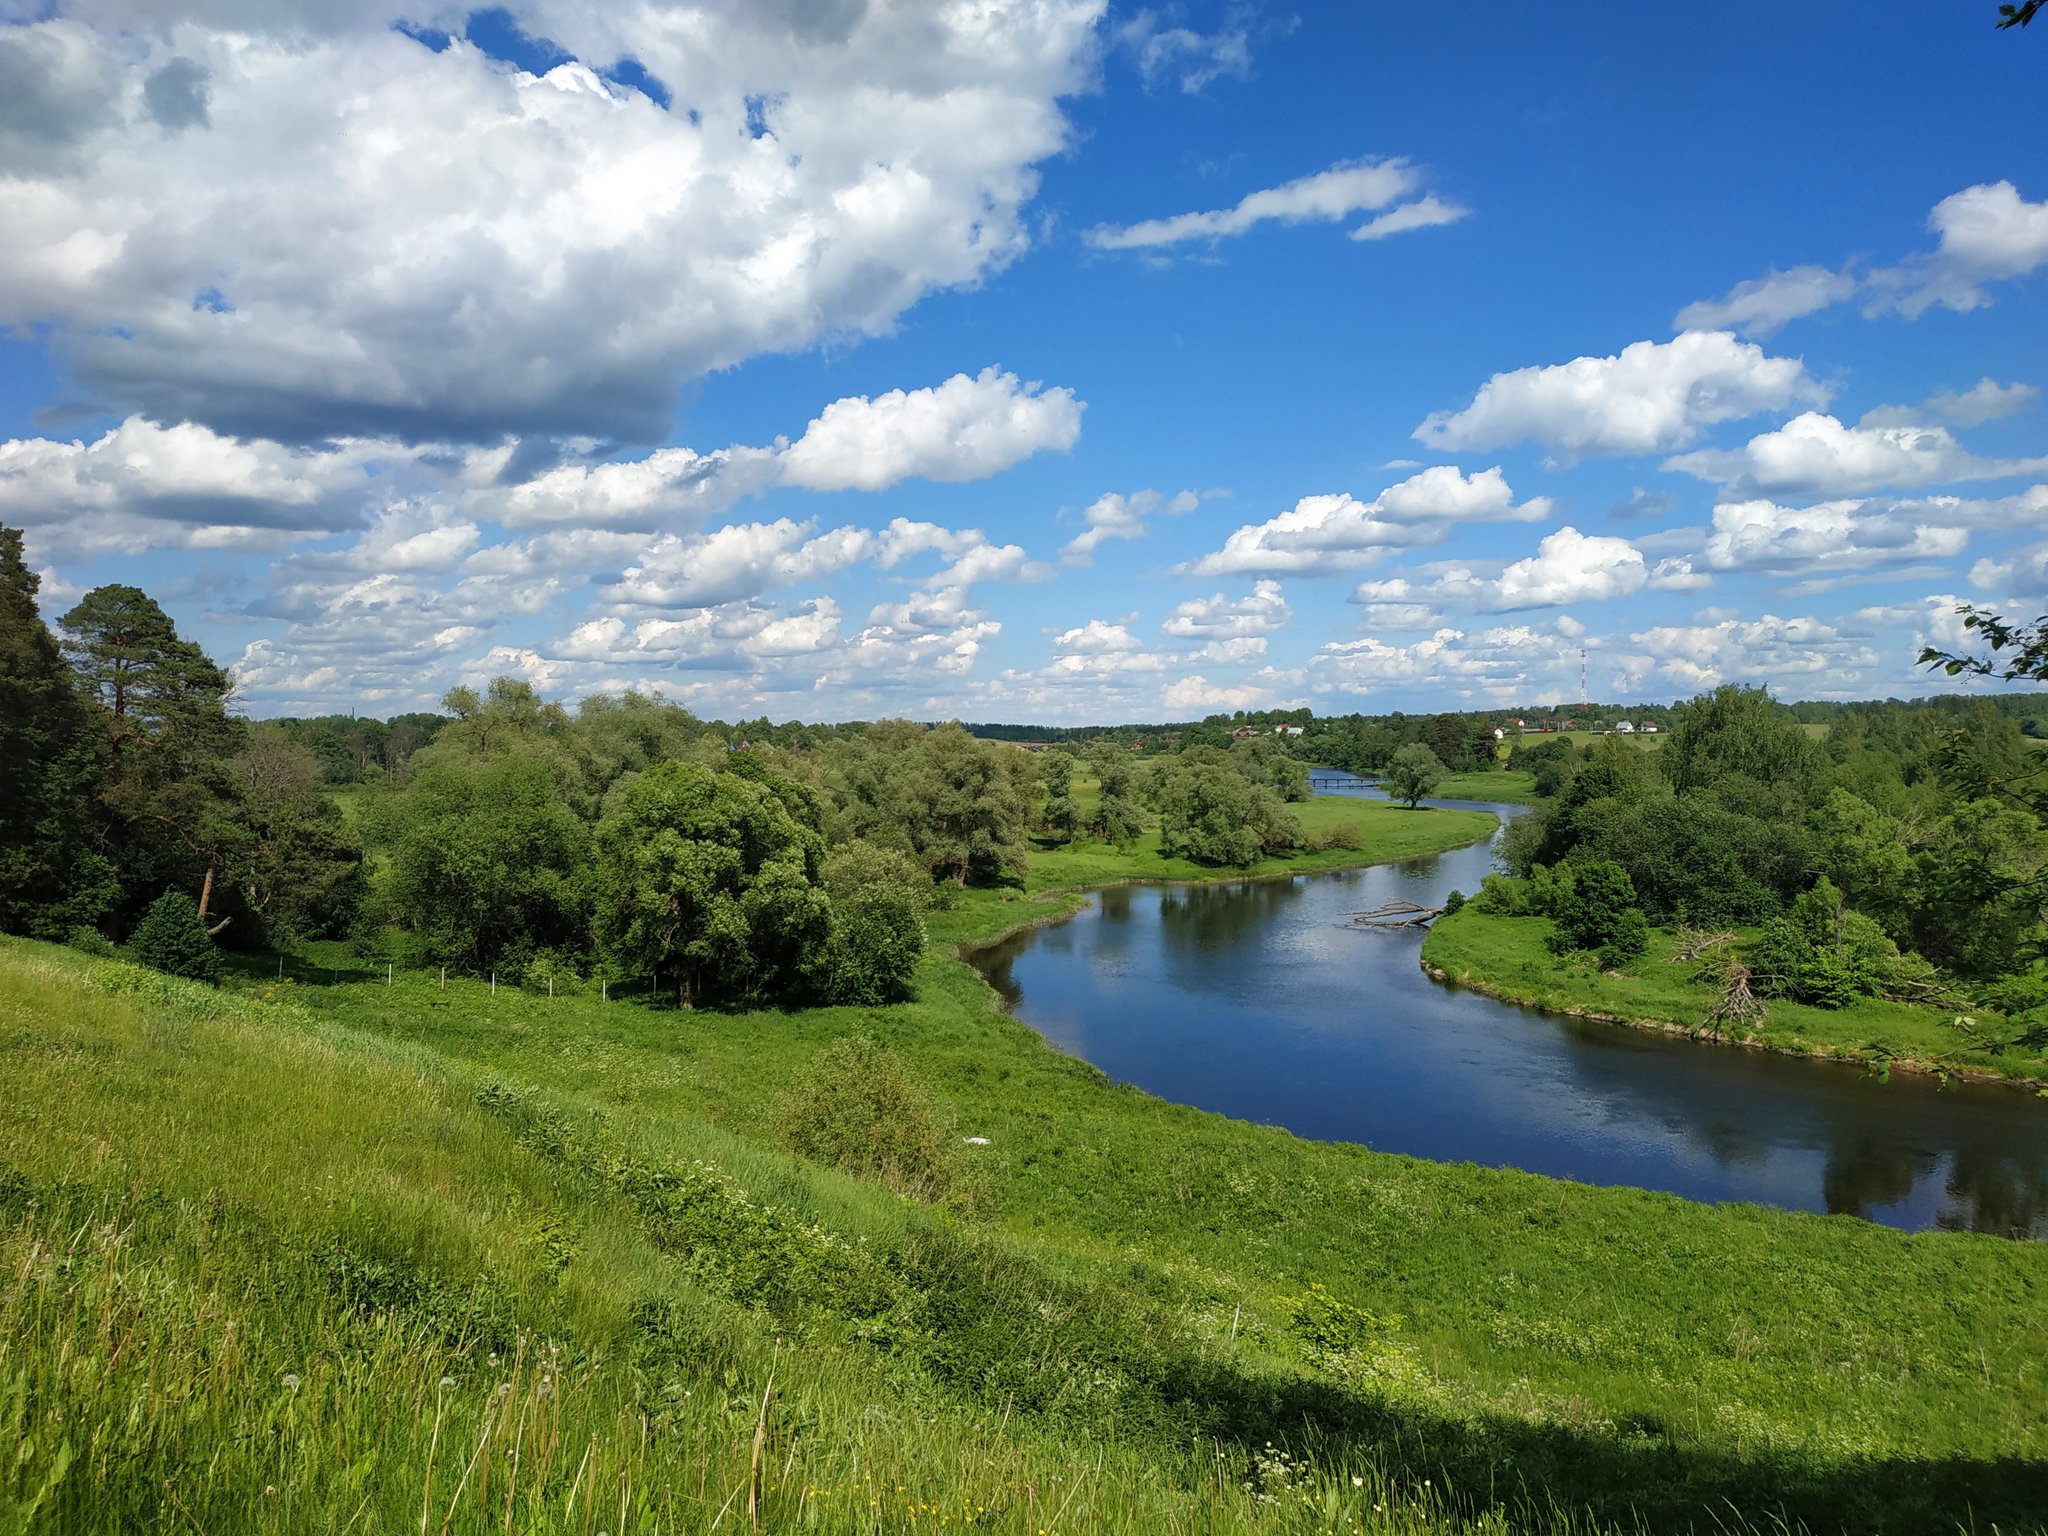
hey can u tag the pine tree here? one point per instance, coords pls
(172, 939)
(167, 808)
(48, 880)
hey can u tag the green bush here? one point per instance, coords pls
(859, 1110)
(1825, 954)
(2019, 994)
(90, 941)
(1217, 808)
(171, 938)
(1343, 835)
(550, 973)
(1503, 896)
(1598, 912)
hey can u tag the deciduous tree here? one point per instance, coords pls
(485, 861)
(1413, 774)
(710, 878)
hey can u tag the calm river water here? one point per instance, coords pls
(1255, 1000)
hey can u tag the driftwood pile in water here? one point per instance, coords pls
(1396, 914)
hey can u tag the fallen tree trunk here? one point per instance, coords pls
(1396, 914)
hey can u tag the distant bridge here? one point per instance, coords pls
(1339, 781)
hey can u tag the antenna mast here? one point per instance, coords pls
(1585, 703)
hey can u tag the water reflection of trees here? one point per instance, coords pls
(1965, 1160)
(1866, 1173)
(1989, 1187)
(995, 962)
(1208, 918)
(1995, 1191)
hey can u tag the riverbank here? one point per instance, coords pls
(1354, 831)
(1506, 958)
(369, 1188)
(1059, 877)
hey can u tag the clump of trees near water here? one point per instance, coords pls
(1901, 855)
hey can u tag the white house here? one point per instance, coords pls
(1626, 728)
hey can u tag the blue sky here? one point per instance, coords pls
(1029, 361)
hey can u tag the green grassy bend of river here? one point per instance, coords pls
(354, 1257)
(1506, 958)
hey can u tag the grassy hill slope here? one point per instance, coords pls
(378, 1258)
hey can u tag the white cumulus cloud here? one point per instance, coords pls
(498, 251)
(1197, 692)
(1801, 652)
(1340, 532)
(1984, 234)
(142, 485)
(1115, 516)
(963, 429)
(1097, 637)
(1762, 535)
(1815, 455)
(1651, 396)
(1568, 567)
(1225, 618)
(967, 428)
(1986, 400)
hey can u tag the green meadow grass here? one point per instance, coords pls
(1378, 833)
(361, 1257)
(1506, 956)
(1649, 741)
(1509, 785)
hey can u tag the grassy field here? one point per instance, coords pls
(1648, 743)
(1508, 786)
(285, 1258)
(1376, 831)
(1506, 956)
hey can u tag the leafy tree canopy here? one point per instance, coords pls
(710, 878)
(1413, 774)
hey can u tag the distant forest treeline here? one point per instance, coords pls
(354, 749)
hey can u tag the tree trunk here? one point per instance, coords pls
(206, 900)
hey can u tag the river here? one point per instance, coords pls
(1255, 999)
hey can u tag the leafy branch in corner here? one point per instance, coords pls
(2027, 642)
